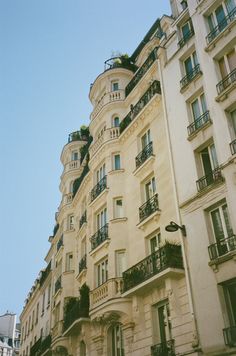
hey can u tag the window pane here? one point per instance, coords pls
(227, 220)
(116, 121)
(233, 118)
(188, 65)
(203, 103)
(117, 161)
(231, 60)
(185, 29)
(217, 225)
(196, 109)
(223, 70)
(211, 22)
(213, 156)
(220, 16)
(230, 5)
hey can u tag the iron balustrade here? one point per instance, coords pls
(221, 26)
(167, 256)
(141, 72)
(99, 187)
(190, 76)
(149, 207)
(99, 237)
(144, 155)
(230, 336)
(83, 219)
(60, 243)
(58, 284)
(154, 88)
(83, 263)
(186, 38)
(119, 62)
(163, 349)
(198, 123)
(233, 147)
(205, 181)
(226, 82)
(221, 247)
(77, 136)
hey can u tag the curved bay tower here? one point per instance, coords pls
(128, 270)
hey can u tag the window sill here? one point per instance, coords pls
(228, 256)
(154, 216)
(225, 93)
(114, 171)
(81, 274)
(105, 191)
(117, 220)
(103, 244)
(191, 82)
(224, 33)
(145, 164)
(200, 129)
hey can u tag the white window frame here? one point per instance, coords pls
(101, 274)
(101, 218)
(114, 155)
(149, 193)
(100, 173)
(69, 262)
(118, 209)
(121, 263)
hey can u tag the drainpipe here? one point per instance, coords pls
(196, 340)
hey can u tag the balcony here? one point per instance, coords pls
(83, 263)
(111, 97)
(141, 72)
(122, 61)
(186, 38)
(154, 88)
(190, 76)
(163, 349)
(168, 256)
(76, 308)
(221, 26)
(76, 136)
(98, 188)
(46, 343)
(58, 285)
(83, 219)
(233, 147)
(148, 208)
(60, 243)
(226, 82)
(99, 237)
(230, 336)
(210, 179)
(108, 135)
(144, 155)
(112, 288)
(199, 123)
(222, 247)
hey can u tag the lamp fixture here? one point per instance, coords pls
(172, 227)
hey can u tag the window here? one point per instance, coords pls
(83, 247)
(118, 208)
(232, 124)
(69, 261)
(190, 63)
(227, 63)
(150, 188)
(145, 139)
(115, 341)
(209, 161)
(114, 86)
(198, 107)
(43, 303)
(70, 222)
(116, 122)
(101, 172)
(186, 29)
(229, 293)
(101, 272)
(49, 294)
(161, 322)
(120, 263)
(74, 155)
(218, 17)
(37, 314)
(154, 242)
(116, 161)
(101, 218)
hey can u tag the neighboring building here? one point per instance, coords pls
(117, 283)
(9, 335)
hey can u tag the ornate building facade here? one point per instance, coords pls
(144, 248)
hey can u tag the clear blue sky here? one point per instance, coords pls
(50, 52)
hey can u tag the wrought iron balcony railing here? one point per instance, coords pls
(83, 263)
(99, 237)
(76, 311)
(77, 136)
(214, 177)
(230, 336)
(167, 256)
(200, 122)
(58, 284)
(190, 76)
(122, 61)
(154, 88)
(60, 243)
(221, 26)
(186, 38)
(99, 187)
(226, 82)
(233, 147)
(163, 349)
(143, 155)
(83, 219)
(149, 207)
(222, 247)
(141, 72)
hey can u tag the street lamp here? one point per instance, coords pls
(172, 227)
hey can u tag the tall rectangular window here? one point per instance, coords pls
(146, 139)
(100, 173)
(198, 106)
(69, 261)
(101, 272)
(116, 161)
(161, 322)
(43, 303)
(190, 63)
(37, 314)
(49, 294)
(120, 263)
(150, 188)
(154, 242)
(118, 208)
(70, 222)
(101, 218)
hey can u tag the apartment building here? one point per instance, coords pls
(143, 247)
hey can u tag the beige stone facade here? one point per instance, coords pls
(117, 283)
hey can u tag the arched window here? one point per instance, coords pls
(115, 341)
(116, 121)
(82, 349)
